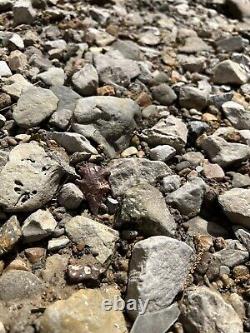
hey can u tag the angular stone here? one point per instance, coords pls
(109, 121)
(4, 69)
(230, 44)
(15, 85)
(224, 153)
(72, 142)
(35, 105)
(158, 270)
(162, 153)
(229, 72)
(188, 198)
(236, 205)
(23, 12)
(197, 226)
(97, 236)
(127, 172)
(70, 196)
(128, 49)
(164, 94)
(17, 285)
(38, 226)
(144, 207)
(168, 131)
(17, 61)
(171, 183)
(86, 80)
(10, 233)
(157, 322)
(53, 76)
(194, 45)
(204, 310)
(192, 97)
(29, 179)
(84, 312)
(243, 236)
(238, 116)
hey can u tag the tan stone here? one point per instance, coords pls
(82, 313)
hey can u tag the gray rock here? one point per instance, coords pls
(17, 285)
(197, 226)
(230, 44)
(85, 81)
(194, 45)
(58, 243)
(128, 172)
(53, 76)
(23, 12)
(35, 105)
(168, 131)
(188, 198)
(171, 183)
(191, 97)
(109, 121)
(100, 15)
(113, 68)
(29, 179)
(236, 205)
(224, 153)
(38, 225)
(204, 310)
(10, 234)
(229, 72)
(164, 94)
(191, 63)
(72, 142)
(243, 236)
(4, 69)
(65, 108)
(15, 85)
(158, 270)
(144, 206)
(239, 180)
(15, 42)
(2, 120)
(157, 322)
(162, 153)
(231, 257)
(237, 115)
(128, 49)
(70, 196)
(100, 238)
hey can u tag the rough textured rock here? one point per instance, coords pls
(128, 172)
(164, 94)
(191, 97)
(35, 105)
(144, 206)
(84, 312)
(109, 121)
(204, 310)
(53, 76)
(29, 179)
(70, 196)
(16, 284)
(85, 81)
(224, 153)
(23, 12)
(158, 270)
(157, 322)
(162, 153)
(10, 234)
(38, 225)
(100, 238)
(238, 116)
(188, 198)
(169, 131)
(72, 142)
(229, 72)
(236, 205)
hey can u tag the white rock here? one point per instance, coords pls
(97, 236)
(204, 310)
(229, 72)
(237, 115)
(38, 225)
(158, 270)
(162, 153)
(53, 76)
(35, 105)
(86, 80)
(70, 196)
(4, 69)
